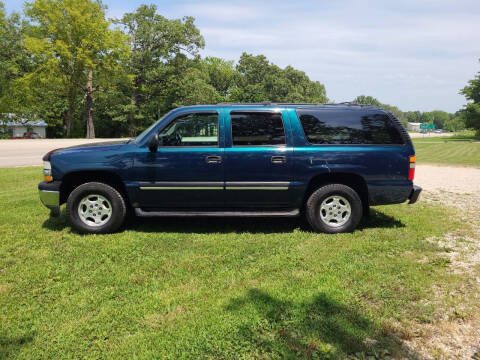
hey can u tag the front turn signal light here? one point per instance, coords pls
(411, 170)
(47, 171)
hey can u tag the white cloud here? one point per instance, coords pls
(414, 54)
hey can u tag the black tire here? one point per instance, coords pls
(118, 208)
(314, 202)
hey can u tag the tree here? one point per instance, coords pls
(221, 75)
(439, 118)
(259, 80)
(455, 124)
(367, 100)
(472, 109)
(14, 60)
(155, 42)
(71, 42)
(413, 116)
(370, 100)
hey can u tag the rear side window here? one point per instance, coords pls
(257, 128)
(348, 127)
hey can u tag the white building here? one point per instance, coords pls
(413, 126)
(19, 127)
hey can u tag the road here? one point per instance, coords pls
(29, 152)
(429, 135)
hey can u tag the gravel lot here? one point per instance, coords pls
(460, 180)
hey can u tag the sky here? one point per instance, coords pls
(414, 54)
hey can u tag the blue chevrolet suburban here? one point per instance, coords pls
(328, 162)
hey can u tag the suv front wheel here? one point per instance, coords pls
(95, 208)
(334, 208)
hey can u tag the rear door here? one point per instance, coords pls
(258, 159)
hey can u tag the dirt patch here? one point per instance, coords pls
(455, 334)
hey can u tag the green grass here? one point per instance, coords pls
(462, 150)
(216, 289)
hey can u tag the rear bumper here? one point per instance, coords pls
(50, 195)
(414, 194)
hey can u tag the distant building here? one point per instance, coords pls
(413, 126)
(19, 127)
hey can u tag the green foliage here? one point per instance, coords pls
(157, 52)
(370, 100)
(472, 117)
(437, 117)
(414, 116)
(455, 124)
(14, 60)
(259, 80)
(367, 100)
(472, 110)
(68, 39)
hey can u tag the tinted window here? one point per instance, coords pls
(257, 128)
(348, 127)
(198, 129)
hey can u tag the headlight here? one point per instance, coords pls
(47, 171)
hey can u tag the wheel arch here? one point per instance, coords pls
(75, 178)
(355, 181)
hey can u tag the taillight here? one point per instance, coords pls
(411, 170)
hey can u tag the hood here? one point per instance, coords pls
(89, 146)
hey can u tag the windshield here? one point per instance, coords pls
(147, 130)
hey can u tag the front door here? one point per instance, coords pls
(187, 169)
(258, 159)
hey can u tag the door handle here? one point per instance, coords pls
(213, 159)
(278, 159)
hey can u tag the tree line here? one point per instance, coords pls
(65, 62)
(441, 119)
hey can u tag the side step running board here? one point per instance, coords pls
(289, 213)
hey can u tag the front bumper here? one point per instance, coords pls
(50, 195)
(414, 194)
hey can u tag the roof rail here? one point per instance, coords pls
(264, 103)
(270, 103)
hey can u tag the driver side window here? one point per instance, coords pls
(196, 129)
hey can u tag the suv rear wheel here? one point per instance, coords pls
(96, 208)
(334, 208)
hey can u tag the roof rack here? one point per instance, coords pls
(264, 103)
(270, 103)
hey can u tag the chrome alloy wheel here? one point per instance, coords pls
(94, 210)
(335, 210)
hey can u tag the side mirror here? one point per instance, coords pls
(153, 143)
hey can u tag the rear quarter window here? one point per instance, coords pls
(348, 127)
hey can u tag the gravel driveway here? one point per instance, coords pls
(460, 180)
